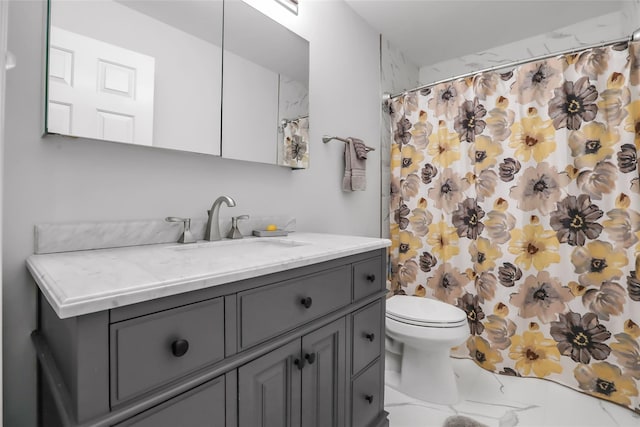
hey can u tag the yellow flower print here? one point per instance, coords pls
(632, 122)
(484, 153)
(411, 159)
(592, 143)
(396, 157)
(535, 353)
(532, 136)
(598, 262)
(480, 351)
(534, 245)
(484, 254)
(444, 146)
(606, 381)
(408, 246)
(443, 240)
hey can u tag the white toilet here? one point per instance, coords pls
(419, 335)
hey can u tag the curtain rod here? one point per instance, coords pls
(635, 36)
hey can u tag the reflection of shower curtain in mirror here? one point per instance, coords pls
(516, 197)
(295, 143)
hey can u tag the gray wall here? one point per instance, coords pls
(55, 179)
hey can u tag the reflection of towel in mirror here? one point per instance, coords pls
(355, 177)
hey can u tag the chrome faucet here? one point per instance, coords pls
(212, 232)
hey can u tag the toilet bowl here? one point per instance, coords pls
(419, 335)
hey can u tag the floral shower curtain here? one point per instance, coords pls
(516, 197)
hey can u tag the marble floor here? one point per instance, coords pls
(503, 401)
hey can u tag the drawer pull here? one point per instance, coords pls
(370, 336)
(306, 302)
(371, 277)
(310, 358)
(179, 347)
(369, 398)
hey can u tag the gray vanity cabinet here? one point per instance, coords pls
(300, 384)
(297, 348)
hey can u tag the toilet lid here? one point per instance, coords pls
(424, 312)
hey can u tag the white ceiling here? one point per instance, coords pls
(430, 31)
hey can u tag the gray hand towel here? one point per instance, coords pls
(355, 178)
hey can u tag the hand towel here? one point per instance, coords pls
(355, 178)
(361, 149)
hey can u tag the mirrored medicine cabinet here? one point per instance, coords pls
(205, 76)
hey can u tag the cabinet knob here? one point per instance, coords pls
(371, 277)
(179, 347)
(369, 398)
(311, 357)
(370, 336)
(306, 302)
(299, 363)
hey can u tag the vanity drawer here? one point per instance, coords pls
(271, 310)
(367, 278)
(151, 350)
(366, 336)
(366, 396)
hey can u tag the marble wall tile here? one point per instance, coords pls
(52, 238)
(397, 73)
(601, 29)
(631, 15)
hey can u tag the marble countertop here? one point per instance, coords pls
(82, 282)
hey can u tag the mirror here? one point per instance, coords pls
(140, 72)
(150, 72)
(265, 89)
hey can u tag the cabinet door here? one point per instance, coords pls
(269, 389)
(203, 406)
(323, 376)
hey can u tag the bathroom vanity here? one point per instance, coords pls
(255, 332)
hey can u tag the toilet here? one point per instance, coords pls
(419, 335)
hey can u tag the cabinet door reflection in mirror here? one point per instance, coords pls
(265, 89)
(144, 72)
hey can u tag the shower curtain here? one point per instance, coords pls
(516, 197)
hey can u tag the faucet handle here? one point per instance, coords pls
(186, 236)
(234, 233)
